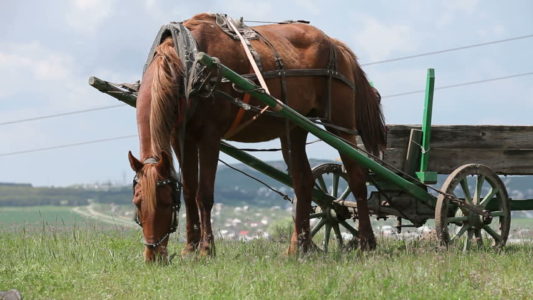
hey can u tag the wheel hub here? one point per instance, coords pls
(475, 221)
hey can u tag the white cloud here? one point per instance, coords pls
(309, 5)
(247, 9)
(86, 16)
(452, 9)
(379, 40)
(41, 81)
(29, 63)
(467, 6)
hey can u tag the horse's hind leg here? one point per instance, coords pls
(357, 177)
(189, 168)
(302, 181)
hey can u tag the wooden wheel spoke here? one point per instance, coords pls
(322, 183)
(466, 190)
(318, 226)
(317, 215)
(338, 234)
(463, 229)
(334, 190)
(489, 197)
(496, 236)
(350, 228)
(479, 185)
(456, 219)
(487, 192)
(345, 194)
(468, 240)
(479, 237)
(327, 235)
(497, 213)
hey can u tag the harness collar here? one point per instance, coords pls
(186, 48)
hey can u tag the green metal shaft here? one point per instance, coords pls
(256, 163)
(426, 123)
(344, 148)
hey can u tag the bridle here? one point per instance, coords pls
(176, 204)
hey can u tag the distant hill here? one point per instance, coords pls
(231, 188)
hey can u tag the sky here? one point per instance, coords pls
(49, 49)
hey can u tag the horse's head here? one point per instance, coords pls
(156, 197)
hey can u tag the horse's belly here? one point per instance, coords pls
(260, 131)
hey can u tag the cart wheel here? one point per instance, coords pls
(480, 186)
(332, 228)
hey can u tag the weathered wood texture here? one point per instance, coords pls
(505, 149)
(116, 90)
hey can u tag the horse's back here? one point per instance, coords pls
(299, 43)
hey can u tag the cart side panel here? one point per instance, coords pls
(505, 149)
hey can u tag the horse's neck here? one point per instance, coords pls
(143, 126)
(144, 101)
(147, 148)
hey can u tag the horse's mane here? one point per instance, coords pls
(165, 107)
(165, 96)
(149, 180)
(369, 117)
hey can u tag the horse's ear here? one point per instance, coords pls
(135, 164)
(164, 164)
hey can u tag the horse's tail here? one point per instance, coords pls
(370, 121)
(166, 104)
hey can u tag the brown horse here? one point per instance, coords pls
(161, 113)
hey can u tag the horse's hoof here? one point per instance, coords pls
(294, 250)
(206, 251)
(188, 250)
(367, 244)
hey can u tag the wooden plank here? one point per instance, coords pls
(444, 161)
(467, 136)
(505, 149)
(114, 90)
(412, 156)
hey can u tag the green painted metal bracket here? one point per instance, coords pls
(423, 174)
(412, 188)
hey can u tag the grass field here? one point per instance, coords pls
(35, 218)
(55, 261)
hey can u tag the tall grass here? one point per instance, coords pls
(92, 263)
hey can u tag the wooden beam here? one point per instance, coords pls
(467, 136)
(505, 149)
(114, 90)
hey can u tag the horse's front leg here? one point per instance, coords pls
(188, 158)
(208, 154)
(302, 181)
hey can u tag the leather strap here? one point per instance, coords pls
(304, 73)
(238, 118)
